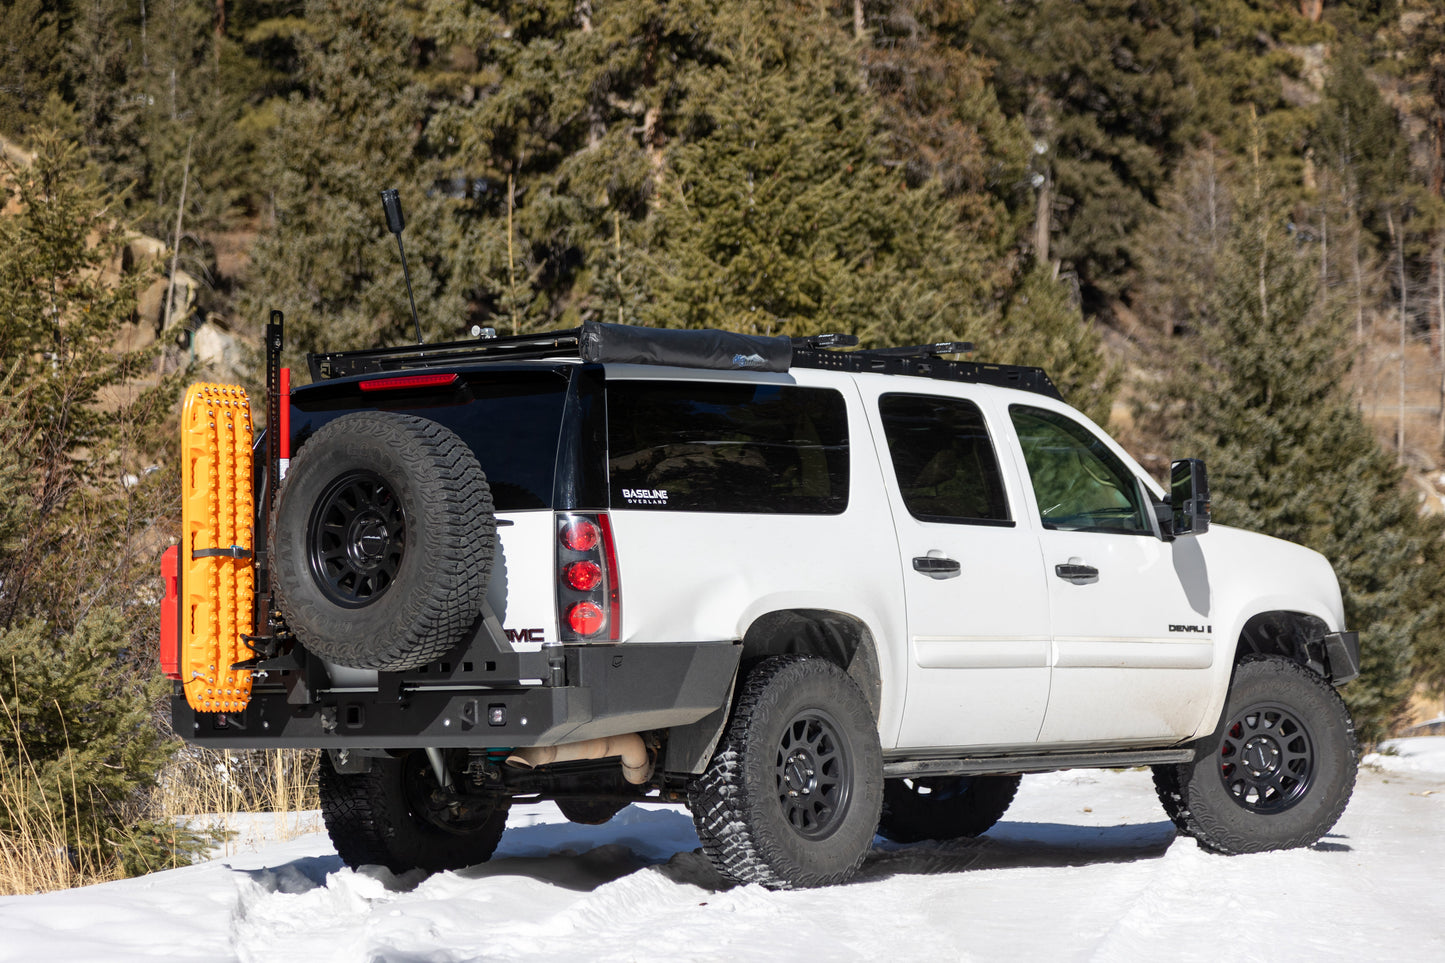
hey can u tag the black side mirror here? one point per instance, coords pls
(1189, 497)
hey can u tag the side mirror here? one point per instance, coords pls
(1189, 497)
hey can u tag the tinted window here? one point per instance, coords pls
(509, 419)
(946, 467)
(1079, 483)
(720, 447)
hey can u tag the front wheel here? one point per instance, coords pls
(1278, 771)
(792, 795)
(944, 807)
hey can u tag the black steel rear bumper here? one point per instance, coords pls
(528, 699)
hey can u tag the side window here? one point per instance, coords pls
(1079, 483)
(946, 467)
(705, 446)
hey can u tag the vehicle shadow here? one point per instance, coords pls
(1014, 845)
(584, 858)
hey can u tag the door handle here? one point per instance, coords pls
(1075, 571)
(937, 567)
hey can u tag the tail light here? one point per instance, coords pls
(589, 600)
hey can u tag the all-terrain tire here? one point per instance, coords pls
(382, 541)
(944, 807)
(388, 816)
(1278, 771)
(1171, 797)
(792, 795)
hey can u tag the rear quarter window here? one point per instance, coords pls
(725, 447)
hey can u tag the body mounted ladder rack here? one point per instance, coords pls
(609, 343)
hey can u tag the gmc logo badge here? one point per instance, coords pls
(525, 635)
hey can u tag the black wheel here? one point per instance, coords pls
(382, 541)
(792, 795)
(590, 812)
(944, 807)
(397, 816)
(1278, 771)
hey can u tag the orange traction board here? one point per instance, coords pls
(217, 580)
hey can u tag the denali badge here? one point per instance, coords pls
(645, 496)
(1203, 629)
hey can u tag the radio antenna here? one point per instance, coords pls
(396, 222)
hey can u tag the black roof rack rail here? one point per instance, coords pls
(522, 347)
(936, 350)
(921, 361)
(886, 361)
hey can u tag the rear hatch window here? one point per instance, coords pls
(510, 420)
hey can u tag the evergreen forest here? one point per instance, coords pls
(1219, 225)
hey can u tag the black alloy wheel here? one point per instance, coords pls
(813, 770)
(1266, 759)
(357, 539)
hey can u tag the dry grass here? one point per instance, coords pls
(218, 789)
(204, 790)
(35, 851)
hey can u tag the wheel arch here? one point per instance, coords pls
(842, 639)
(1297, 636)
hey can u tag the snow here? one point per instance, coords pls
(1083, 867)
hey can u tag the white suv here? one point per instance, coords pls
(813, 594)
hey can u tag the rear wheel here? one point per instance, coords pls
(792, 795)
(396, 815)
(944, 807)
(1278, 771)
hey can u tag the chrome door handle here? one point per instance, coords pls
(1077, 573)
(935, 567)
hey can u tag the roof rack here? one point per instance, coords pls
(912, 361)
(524, 347)
(615, 343)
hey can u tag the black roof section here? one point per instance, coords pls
(599, 343)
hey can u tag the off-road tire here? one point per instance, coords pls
(382, 541)
(380, 817)
(944, 807)
(1171, 797)
(1278, 771)
(791, 797)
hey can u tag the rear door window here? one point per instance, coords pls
(944, 460)
(703, 446)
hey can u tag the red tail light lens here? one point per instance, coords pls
(580, 535)
(583, 576)
(589, 601)
(586, 619)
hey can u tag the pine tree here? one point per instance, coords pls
(1261, 398)
(779, 214)
(81, 526)
(327, 259)
(29, 51)
(1108, 89)
(1041, 325)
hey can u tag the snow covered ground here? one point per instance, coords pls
(1084, 867)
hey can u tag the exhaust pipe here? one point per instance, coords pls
(636, 763)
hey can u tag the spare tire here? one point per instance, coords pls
(382, 541)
